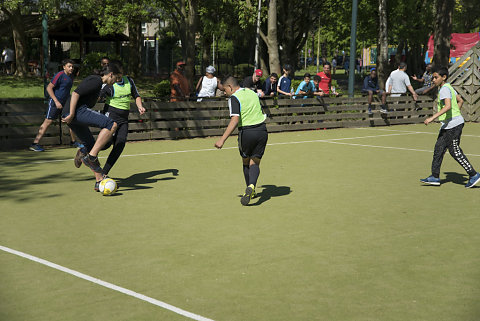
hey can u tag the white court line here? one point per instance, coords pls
(411, 131)
(332, 140)
(107, 285)
(214, 149)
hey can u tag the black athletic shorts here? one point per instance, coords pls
(252, 140)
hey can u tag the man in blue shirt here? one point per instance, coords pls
(370, 87)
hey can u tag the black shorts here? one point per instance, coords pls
(252, 141)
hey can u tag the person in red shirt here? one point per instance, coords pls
(179, 87)
(326, 80)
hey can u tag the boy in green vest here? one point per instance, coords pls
(246, 112)
(117, 107)
(448, 113)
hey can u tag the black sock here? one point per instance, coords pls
(92, 158)
(254, 172)
(246, 173)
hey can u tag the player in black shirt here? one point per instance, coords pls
(78, 114)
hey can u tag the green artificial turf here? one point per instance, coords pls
(342, 230)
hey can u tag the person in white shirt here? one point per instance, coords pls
(400, 82)
(208, 84)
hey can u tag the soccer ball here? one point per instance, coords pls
(107, 186)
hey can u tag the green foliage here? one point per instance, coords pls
(162, 89)
(91, 62)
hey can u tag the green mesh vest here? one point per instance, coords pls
(121, 95)
(454, 111)
(250, 109)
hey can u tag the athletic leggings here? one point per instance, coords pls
(119, 138)
(450, 139)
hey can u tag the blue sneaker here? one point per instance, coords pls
(76, 144)
(473, 180)
(36, 148)
(370, 112)
(433, 180)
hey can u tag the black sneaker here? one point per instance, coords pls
(94, 164)
(249, 193)
(36, 148)
(77, 161)
(97, 184)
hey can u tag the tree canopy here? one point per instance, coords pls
(196, 23)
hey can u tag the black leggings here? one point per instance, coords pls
(119, 138)
(450, 139)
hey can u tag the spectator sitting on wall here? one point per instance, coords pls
(317, 91)
(371, 87)
(254, 83)
(208, 84)
(400, 82)
(179, 87)
(426, 79)
(326, 79)
(270, 85)
(306, 87)
(285, 82)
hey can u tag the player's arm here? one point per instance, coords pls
(136, 95)
(447, 107)
(73, 107)
(230, 128)
(52, 95)
(459, 101)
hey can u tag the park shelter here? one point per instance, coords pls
(71, 28)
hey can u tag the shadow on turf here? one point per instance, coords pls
(457, 178)
(137, 181)
(270, 191)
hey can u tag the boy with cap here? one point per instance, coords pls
(254, 83)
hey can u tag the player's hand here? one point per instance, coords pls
(428, 120)
(219, 143)
(58, 105)
(415, 97)
(141, 110)
(414, 77)
(68, 119)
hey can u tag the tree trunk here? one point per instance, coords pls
(443, 30)
(207, 41)
(135, 48)
(382, 54)
(19, 39)
(272, 40)
(398, 54)
(187, 27)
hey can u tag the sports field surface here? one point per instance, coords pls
(341, 229)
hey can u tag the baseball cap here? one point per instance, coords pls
(210, 69)
(259, 72)
(181, 63)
